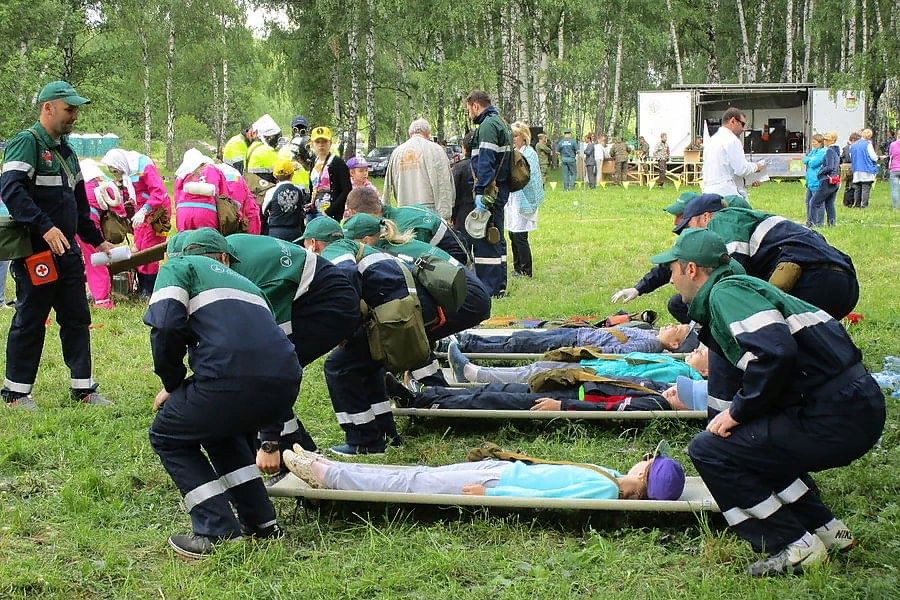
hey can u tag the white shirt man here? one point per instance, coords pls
(419, 173)
(724, 164)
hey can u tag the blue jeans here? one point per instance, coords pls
(822, 204)
(4, 269)
(568, 174)
(895, 189)
(809, 206)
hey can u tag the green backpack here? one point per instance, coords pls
(445, 282)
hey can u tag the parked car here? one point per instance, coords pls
(454, 153)
(378, 160)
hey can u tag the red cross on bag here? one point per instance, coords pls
(41, 268)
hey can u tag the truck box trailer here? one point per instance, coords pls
(781, 118)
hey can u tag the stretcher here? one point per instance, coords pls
(588, 415)
(695, 498)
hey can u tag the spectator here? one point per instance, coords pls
(418, 172)
(829, 173)
(601, 153)
(545, 153)
(619, 152)
(463, 183)
(521, 210)
(894, 169)
(329, 179)
(863, 162)
(846, 171)
(568, 150)
(661, 156)
(813, 160)
(359, 173)
(724, 163)
(643, 148)
(282, 208)
(590, 161)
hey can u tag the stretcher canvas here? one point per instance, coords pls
(589, 415)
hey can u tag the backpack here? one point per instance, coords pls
(519, 171)
(445, 282)
(230, 220)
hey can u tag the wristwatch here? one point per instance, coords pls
(269, 447)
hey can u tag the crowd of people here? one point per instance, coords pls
(377, 289)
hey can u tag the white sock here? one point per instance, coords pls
(470, 371)
(829, 526)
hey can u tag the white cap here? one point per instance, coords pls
(266, 126)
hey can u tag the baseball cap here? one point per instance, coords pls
(206, 240)
(567, 130)
(283, 167)
(477, 222)
(665, 480)
(61, 90)
(701, 204)
(300, 121)
(176, 243)
(677, 207)
(736, 201)
(321, 133)
(696, 245)
(361, 224)
(357, 162)
(691, 392)
(323, 229)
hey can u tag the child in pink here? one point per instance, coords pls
(102, 195)
(145, 189)
(198, 183)
(239, 191)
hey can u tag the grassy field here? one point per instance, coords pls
(85, 506)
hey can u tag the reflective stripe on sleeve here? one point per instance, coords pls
(756, 322)
(208, 297)
(171, 292)
(761, 231)
(17, 165)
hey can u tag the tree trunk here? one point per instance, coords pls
(441, 92)
(617, 80)
(223, 131)
(398, 109)
(170, 97)
(843, 60)
(216, 119)
(602, 89)
(787, 70)
(851, 35)
(807, 38)
(712, 64)
(336, 84)
(745, 42)
(673, 35)
(145, 61)
(371, 114)
(353, 113)
(753, 68)
(557, 85)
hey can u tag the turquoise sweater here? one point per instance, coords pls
(555, 481)
(665, 370)
(813, 160)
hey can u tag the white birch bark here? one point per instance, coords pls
(787, 69)
(170, 97)
(353, 112)
(145, 62)
(673, 35)
(745, 42)
(225, 89)
(371, 113)
(753, 69)
(617, 80)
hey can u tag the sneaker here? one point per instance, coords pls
(443, 344)
(396, 391)
(412, 384)
(350, 450)
(25, 402)
(300, 464)
(194, 546)
(92, 397)
(836, 536)
(395, 441)
(792, 560)
(272, 532)
(458, 362)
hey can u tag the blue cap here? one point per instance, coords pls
(701, 204)
(692, 393)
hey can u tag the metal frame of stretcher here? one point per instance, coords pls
(695, 498)
(588, 415)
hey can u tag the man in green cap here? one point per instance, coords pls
(42, 186)
(802, 401)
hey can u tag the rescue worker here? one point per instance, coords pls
(793, 258)
(146, 193)
(42, 186)
(803, 402)
(198, 183)
(383, 235)
(282, 208)
(209, 411)
(297, 150)
(491, 148)
(102, 195)
(239, 192)
(660, 275)
(234, 153)
(355, 380)
(568, 151)
(261, 157)
(425, 224)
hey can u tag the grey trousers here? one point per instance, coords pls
(448, 479)
(518, 374)
(4, 269)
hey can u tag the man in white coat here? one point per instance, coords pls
(419, 173)
(724, 164)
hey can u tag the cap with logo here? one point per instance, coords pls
(61, 90)
(361, 225)
(357, 162)
(283, 167)
(320, 133)
(206, 240)
(697, 206)
(695, 245)
(677, 207)
(323, 229)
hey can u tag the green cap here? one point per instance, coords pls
(695, 245)
(205, 241)
(360, 225)
(176, 243)
(736, 201)
(61, 90)
(323, 229)
(677, 207)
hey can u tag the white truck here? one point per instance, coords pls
(781, 118)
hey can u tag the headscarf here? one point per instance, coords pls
(231, 174)
(193, 159)
(126, 161)
(90, 170)
(265, 126)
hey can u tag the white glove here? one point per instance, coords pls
(625, 296)
(138, 218)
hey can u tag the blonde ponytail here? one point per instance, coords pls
(390, 233)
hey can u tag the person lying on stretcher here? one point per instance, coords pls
(657, 477)
(621, 394)
(660, 368)
(611, 340)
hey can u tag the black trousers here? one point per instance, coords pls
(494, 396)
(861, 192)
(521, 252)
(25, 341)
(221, 418)
(835, 292)
(759, 475)
(490, 259)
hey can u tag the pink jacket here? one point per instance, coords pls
(90, 188)
(894, 156)
(151, 190)
(209, 174)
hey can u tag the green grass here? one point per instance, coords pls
(85, 506)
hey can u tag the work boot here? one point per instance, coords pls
(272, 532)
(805, 552)
(90, 396)
(836, 536)
(195, 546)
(20, 401)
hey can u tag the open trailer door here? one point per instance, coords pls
(841, 111)
(669, 113)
